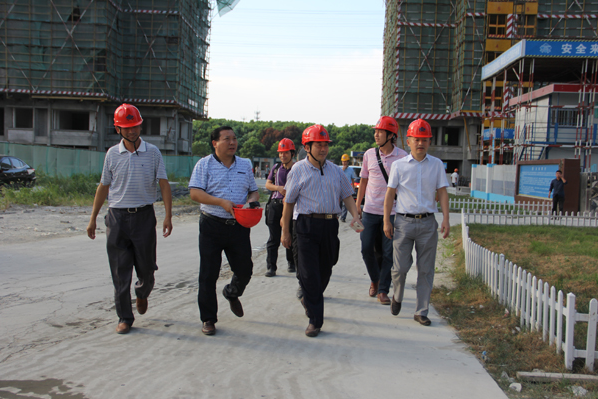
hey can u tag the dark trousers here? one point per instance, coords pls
(318, 249)
(215, 237)
(558, 200)
(273, 223)
(376, 250)
(131, 243)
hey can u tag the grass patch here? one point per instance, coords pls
(75, 190)
(494, 335)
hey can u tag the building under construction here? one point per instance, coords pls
(65, 65)
(434, 52)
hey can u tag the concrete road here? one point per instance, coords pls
(57, 333)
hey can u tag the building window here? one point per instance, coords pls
(151, 126)
(564, 117)
(497, 25)
(23, 118)
(450, 136)
(528, 27)
(69, 120)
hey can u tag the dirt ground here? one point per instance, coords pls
(20, 224)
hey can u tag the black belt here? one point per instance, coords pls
(322, 215)
(229, 222)
(277, 201)
(135, 210)
(419, 216)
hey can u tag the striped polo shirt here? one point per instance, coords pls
(313, 192)
(376, 188)
(233, 184)
(416, 183)
(133, 179)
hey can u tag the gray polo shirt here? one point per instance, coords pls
(133, 179)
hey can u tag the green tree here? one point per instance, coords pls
(252, 148)
(201, 148)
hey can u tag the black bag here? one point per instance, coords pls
(267, 210)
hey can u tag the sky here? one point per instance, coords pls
(298, 60)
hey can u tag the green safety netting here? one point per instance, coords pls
(66, 162)
(225, 6)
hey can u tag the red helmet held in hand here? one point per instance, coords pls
(247, 217)
(315, 133)
(127, 115)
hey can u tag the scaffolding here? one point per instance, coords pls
(433, 53)
(139, 51)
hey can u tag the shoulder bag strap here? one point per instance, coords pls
(381, 165)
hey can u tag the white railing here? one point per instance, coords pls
(476, 203)
(538, 305)
(521, 217)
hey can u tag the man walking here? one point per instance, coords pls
(557, 188)
(315, 187)
(219, 182)
(414, 180)
(455, 178)
(132, 170)
(275, 183)
(374, 180)
(350, 173)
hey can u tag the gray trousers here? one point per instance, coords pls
(424, 234)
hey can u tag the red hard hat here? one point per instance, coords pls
(314, 133)
(127, 115)
(419, 128)
(247, 217)
(286, 145)
(387, 123)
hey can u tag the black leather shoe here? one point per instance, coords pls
(299, 293)
(235, 304)
(208, 328)
(423, 320)
(312, 331)
(141, 305)
(395, 307)
(291, 269)
(271, 273)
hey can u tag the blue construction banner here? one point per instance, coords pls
(562, 48)
(507, 134)
(534, 180)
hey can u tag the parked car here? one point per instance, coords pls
(357, 170)
(15, 172)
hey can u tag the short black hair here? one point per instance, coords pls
(215, 136)
(393, 137)
(559, 171)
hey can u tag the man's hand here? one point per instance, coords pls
(228, 206)
(359, 227)
(282, 191)
(388, 229)
(91, 229)
(167, 227)
(445, 228)
(286, 239)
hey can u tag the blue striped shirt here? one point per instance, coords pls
(313, 193)
(416, 183)
(133, 179)
(233, 184)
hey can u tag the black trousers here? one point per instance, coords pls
(273, 222)
(131, 243)
(558, 200)
(215, 237)
(318, 249)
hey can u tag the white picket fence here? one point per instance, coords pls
(476, 203)
(522, 217)
(538, 305)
